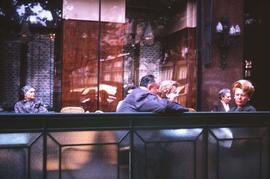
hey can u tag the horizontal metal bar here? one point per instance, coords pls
(119, 121)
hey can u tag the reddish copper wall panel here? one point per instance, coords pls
(79, 70)
(111, 66)
(80, 64)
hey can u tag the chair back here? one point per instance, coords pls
(72, 109)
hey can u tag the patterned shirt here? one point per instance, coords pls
(32, 106)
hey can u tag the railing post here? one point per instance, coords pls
(205, 152)
(131, 153)
(45, 152)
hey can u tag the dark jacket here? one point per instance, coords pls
(247, 107)
(219, 107)
(141, 100)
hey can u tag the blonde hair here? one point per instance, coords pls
(245, 85)
(169, 86)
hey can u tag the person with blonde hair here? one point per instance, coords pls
(243, 91)
(170, 90)
(145, 99)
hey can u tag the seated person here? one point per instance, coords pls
(223, 104)
(127, 90)
(145, 99)
(29, 103)
(88, 99)
(243, 90)
(170, 90)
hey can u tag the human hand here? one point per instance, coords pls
(172, 97)
(191, 110)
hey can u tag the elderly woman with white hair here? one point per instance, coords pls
(223, 105)
(29, 103)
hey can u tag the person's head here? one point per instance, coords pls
(29, 92)
(103, 95)
(149, 82)
(243, 90)
(170, 89)
(128, 89)
(225, 95)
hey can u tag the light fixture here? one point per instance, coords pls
(226, 35)
(248, 68)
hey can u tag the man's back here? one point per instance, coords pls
(141, 100)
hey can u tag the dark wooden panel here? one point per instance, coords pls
(213, 77)
(181, 61)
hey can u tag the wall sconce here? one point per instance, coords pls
(226, 34)
(248, 68)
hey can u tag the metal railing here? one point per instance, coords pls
(135, 145)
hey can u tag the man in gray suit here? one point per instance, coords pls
(145, 99)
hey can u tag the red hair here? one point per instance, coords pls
(245, 85)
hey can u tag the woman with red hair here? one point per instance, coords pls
(243, 90)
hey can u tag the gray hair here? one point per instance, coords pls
(26, 88)
(223, 92)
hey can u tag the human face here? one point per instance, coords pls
(30, 94)
(153, 88)
(226, 98)
(240, 97)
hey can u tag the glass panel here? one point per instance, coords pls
(241, 148)
(81, 9)
(53, 158)
(181, 133)
(136, 38)
(82, 68)
(36, 158)
(238, 133)
(160, 40)
(168, 153)
(85, 137)
(79, 70)
(18, 152)
(111, 65)
(17, 138)
(85, 154)
(12, 163)
(112, 10)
